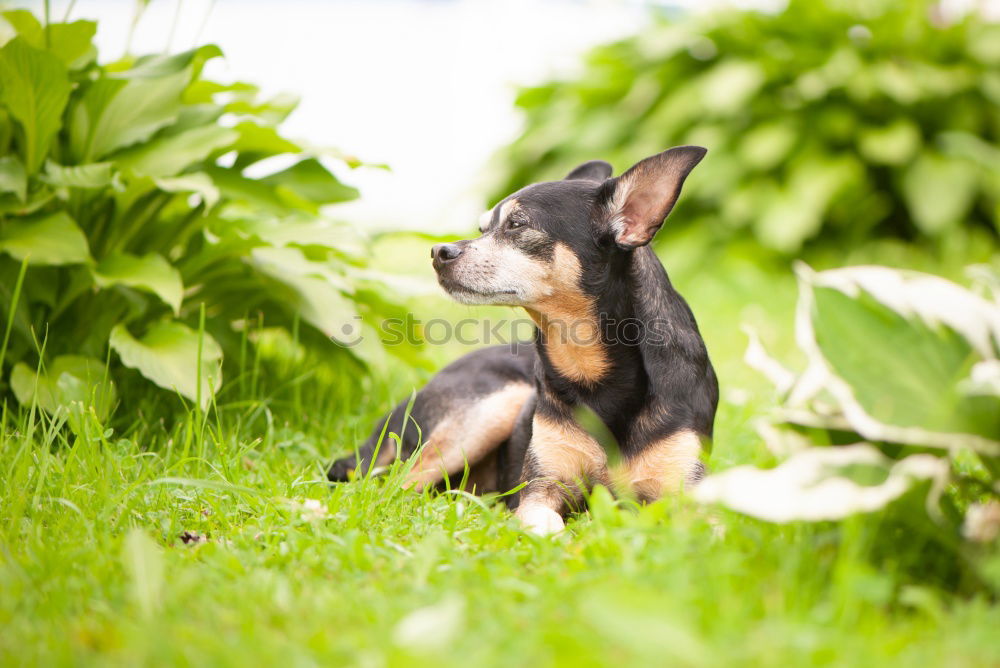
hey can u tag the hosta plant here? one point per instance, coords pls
(138, 229)
(828, 122)
(900, 393)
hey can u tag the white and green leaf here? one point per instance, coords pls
(898, 349)
(819, 484)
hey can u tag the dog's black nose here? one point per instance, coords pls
(445, 252)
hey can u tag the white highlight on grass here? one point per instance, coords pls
(310, 510)
(431, 627)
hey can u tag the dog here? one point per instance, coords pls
(612, 334)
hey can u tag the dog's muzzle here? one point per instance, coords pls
(442, 254)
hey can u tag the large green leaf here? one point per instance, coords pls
(308, 182)
(168, 355)
(55, 239)
(92, 175)
(316, 293)
(69, 383)
(766, 145)
(150, 272)
(167, 156)
(796, 214)
(272, 111)
(13, 178)
(939, 192)
(256, 142)
(901, 350)
(893, 144)
(156, 66)
(23, 23)
(258, 195)
(339, 237)
(198, 182)
(70, 42)
(316, 290)
(118, 112)
(34, 87)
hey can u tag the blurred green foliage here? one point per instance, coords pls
(828, 123)
(129, 219)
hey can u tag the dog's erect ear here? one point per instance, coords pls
(639, 199)
(595, 170)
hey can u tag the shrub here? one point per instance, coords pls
(129, 219)
(903, 377)
(827, 123)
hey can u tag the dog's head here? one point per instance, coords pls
(535, 241)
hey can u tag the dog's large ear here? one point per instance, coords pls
(640, 199)
(595, 170)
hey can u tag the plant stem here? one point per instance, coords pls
(13, 311)
(69, 10)
(47, 22)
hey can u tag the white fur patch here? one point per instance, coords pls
(484, 220)
(616, 206)
(507, 208)
(539, 519)
(496, 273)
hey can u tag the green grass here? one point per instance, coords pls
(93, 569)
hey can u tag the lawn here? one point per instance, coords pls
(214, 539)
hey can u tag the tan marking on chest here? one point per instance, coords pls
(664, 466)
(568, 320)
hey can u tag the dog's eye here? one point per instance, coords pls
(515, 222)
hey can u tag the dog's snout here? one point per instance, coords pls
(442, 253)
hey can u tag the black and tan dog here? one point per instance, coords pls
(612, 334)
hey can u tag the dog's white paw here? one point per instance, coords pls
(540, 520)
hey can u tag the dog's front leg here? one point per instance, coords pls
(665, 465)
(562, 461)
